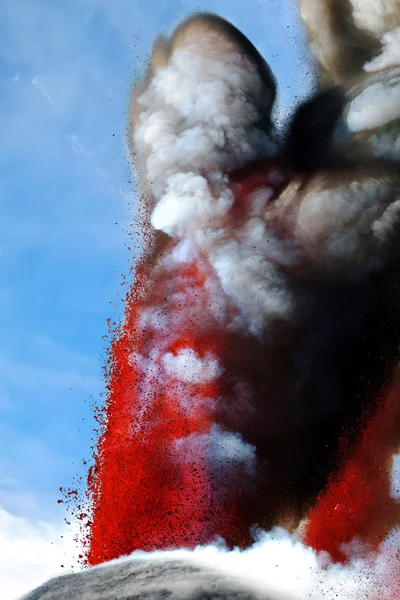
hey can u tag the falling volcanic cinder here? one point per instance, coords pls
(247, 380)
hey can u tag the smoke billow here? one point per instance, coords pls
(263, 325)
(277, 566)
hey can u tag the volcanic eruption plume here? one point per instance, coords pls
(247, 380)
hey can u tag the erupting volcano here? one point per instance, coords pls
(253, 379)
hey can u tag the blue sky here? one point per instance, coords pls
(65, 71)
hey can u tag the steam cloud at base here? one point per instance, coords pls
(254, 379)
(277, 566)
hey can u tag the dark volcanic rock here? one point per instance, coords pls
(146, 579)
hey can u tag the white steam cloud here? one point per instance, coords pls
(374, 15)
(187, 366)
(277, 567)
(31, 551)
(390, 55)
(198, 118)
(224, 448)
(377, 105)
(281, 566)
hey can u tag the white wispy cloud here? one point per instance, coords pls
(78, 148)
(43, 90)
(31, 552)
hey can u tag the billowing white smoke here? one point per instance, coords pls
(375, 15)
(198, 119)
(188, 367)
(374, 109)
(198, 114)
(226, 450)
(347, 229)
(377, 105)
(282, 567)
(277, 567)
(390, 55)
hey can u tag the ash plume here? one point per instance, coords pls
(262, 332)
